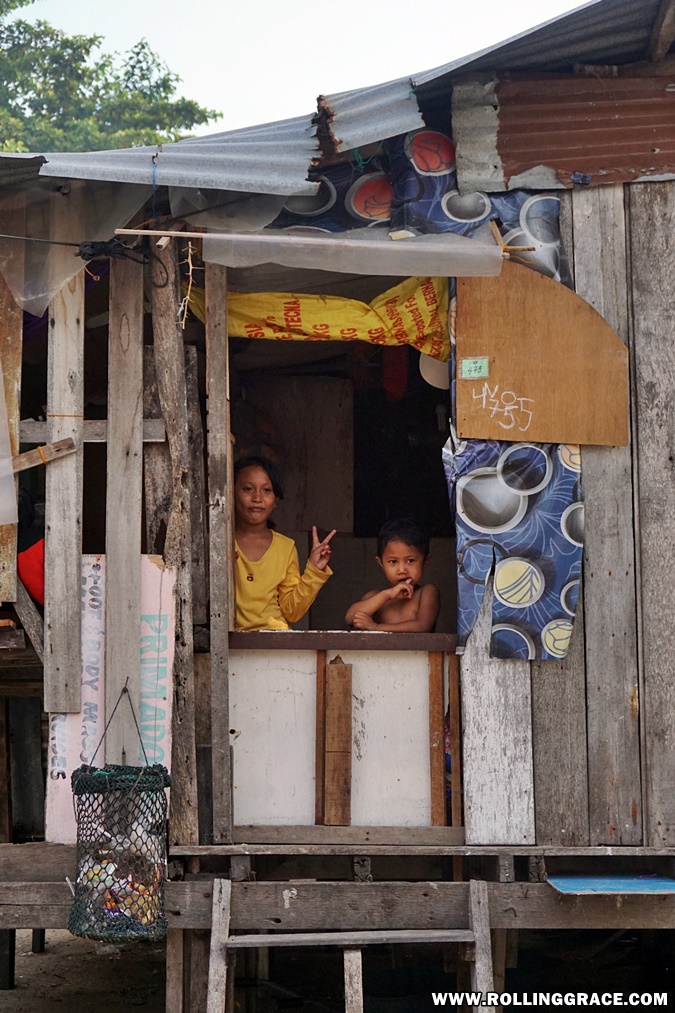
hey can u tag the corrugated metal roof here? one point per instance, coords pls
(270, 158)
(277, 157)
(513, 134)
(355, 118)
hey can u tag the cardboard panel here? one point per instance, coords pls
(536, 363)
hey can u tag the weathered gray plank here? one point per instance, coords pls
(345, 907)
(175, 966)
(197, 491)
(11, 344)
(559, 745)
(479, 922)
(220, 931)
(221, 583)
(497, 742)
(609, 554)
(652, 226)
(93, 430)
(30, 619)
(123, 513)
(373, 938)
(63, 507)
(353, 972)
(157, 479)
(560, 751)
(170, 368)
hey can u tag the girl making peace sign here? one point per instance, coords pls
(270, 591)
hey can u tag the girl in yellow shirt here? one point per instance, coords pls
(271, 592)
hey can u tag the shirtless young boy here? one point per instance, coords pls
(407, 606)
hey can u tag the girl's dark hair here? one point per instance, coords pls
(269, 467)
(406, 530)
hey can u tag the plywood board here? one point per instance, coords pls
(273, 722)
(73, 738)
(535, 362)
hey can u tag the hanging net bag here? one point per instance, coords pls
(121, 815)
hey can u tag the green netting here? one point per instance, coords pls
(121, 852)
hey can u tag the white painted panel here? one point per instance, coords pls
(273, 714)
(390, 750)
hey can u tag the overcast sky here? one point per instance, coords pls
(257, 62)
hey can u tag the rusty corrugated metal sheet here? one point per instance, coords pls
(539, 133)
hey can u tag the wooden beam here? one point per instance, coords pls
(30, 619)
(338, 755)
(663, 32)
(356, 907)
(170, 367)
(652, 217)
(436, 739)
(220, 931)
(63, 506)
(93, 431)
(455, 740)
(11, 344)
(123, 512)
(43, 455)
(331, 640)
(320, 749)
(221, 534)
(198, 533)
(175, 966)
(353, 973)
(609, 584)
(479, 922)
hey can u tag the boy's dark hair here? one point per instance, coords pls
(406, 530)
(269, 467)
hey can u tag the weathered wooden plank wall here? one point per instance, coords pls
(609, 554)
(559, 711)
(652, 250)
(123, 509)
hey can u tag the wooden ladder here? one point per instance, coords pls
(475, 937)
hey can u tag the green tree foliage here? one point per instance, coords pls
(59, 93)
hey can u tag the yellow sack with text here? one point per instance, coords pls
(413, 313)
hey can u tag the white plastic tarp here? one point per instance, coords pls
(360, 252)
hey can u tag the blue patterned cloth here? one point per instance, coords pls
(518, 510)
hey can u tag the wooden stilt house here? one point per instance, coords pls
(310, 802)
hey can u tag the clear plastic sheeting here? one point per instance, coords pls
(225, 210)
(8, 508)
(360, 252)
(73, 211)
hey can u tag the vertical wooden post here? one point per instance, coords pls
(63, 507)
(174, 971)
(7, 936)
(220, 544)
(497, 741)
(652, 220)
(123, 511)
(436, 739)
(11, 343)
(479, 922)
(200, 555)
(353, 981)
(320, 748)
(170, 368)
(157, 481)
(455, 740)
(338, 761)
(601, 277)
(220, 931)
